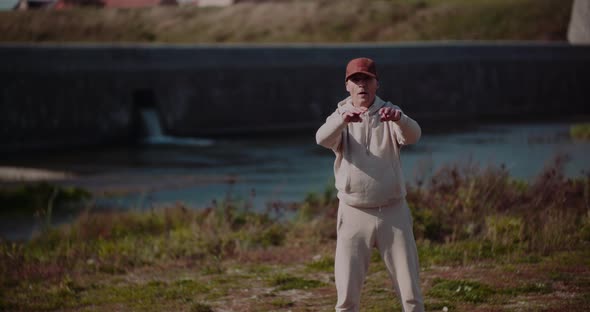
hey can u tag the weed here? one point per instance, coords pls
(580, 131)
(324, 264)
(286, 282)
(584, 232)
(504, 230)
(529, 258)
(541, 288)
(282, 303)
(201, 307)
(427, 226)
(382, 297)
(260, 269)
(213, 267)
(461, 290)
(560, 276)
(271, 236)
(375, 256)
(315, 205)
(459, 253)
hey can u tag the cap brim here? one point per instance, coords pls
(361, 72)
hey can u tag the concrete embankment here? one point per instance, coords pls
(69, 95)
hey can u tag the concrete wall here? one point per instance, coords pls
(69, 95)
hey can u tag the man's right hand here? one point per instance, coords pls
(354, 114)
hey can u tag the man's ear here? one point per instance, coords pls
(346, 86)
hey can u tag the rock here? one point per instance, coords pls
(31, 174)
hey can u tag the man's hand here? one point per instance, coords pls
(390, 114)
(354, 114)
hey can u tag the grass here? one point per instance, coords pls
(460, 290)
(298, 21)
(323, 264)
(486, 242)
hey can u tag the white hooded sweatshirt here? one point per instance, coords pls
(367, 167)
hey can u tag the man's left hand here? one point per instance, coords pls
(390, 114)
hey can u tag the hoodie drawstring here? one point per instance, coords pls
(368, 133)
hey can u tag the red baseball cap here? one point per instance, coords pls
(361, 65)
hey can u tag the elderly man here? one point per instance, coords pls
(366, 134)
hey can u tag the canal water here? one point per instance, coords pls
(282, 168)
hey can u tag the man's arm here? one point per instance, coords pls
(329, 135)
(407, 130)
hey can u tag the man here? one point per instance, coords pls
(366, 134)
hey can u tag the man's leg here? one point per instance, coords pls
(353, 248)
(397, 246)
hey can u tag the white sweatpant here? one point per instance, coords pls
(389, 228)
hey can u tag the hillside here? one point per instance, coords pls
(312, 21)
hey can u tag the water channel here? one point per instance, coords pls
(281, 168)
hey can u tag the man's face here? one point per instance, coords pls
(362, 89)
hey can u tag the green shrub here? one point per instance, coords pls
(427, 226)
(271, 236)
(580, 131)
(36, 197)
(504, 230)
